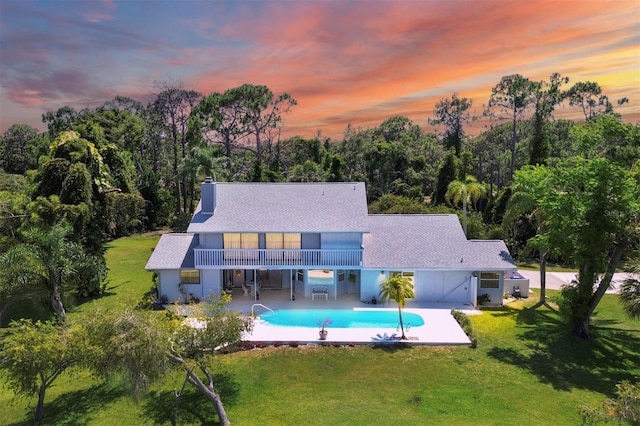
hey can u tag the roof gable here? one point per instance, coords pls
(173, 251)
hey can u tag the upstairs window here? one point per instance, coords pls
(236, 240)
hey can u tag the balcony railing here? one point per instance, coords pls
(308, 258)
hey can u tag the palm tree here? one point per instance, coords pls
(630, 293)
(398, 289)
(529, 185)
(43, 261)
(469, 191)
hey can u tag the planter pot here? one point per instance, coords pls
(323, 334)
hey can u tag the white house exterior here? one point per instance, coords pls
(318, 240)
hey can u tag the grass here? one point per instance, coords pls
(535, 266)
(525, 370)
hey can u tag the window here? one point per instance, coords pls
(489, 280)
(292, 241)
(232, 241)
(235, 240)
(190, 276)
(404, 274)
(245, 241)
(273, 241)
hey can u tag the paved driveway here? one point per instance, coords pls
(555, 280)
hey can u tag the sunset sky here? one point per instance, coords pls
(357, 62)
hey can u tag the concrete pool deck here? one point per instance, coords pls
(440, 328)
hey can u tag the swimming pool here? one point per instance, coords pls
(341, 318)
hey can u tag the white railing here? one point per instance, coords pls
(316, 258)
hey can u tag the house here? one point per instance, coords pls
(318, 240)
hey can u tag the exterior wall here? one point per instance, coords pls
(211, 282)
(341, 240)
(370, 280)
(495, 294)
(443, 286)
(429, 286)
(310, 241)
(210, 240)
(168, 281)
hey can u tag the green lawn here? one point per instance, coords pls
(524, 371)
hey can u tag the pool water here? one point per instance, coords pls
(340, 318)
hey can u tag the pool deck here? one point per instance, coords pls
(439, 328)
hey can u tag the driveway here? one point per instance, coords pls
(555, 280)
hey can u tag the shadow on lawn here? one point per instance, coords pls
(194, 407)
(75, 407)
(550, 352)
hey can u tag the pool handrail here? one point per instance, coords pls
(262, 306)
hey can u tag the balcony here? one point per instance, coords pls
(277, 258)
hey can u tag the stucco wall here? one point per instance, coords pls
(211, 280)
(429, 286)
(168, 281)
(443, 286)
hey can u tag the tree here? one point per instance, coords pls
(174, 105)
(529, 185)
(587, 95)
(547, 95)
(141, 346)
(63, 119)
(448, 173)
(467, 191)
(607, 136)
(591, 209)
(35, 354)
(309, 171)
(262, 112)
(14, 152)
(510, 99)
(624, 409)
(398, 289)
(220, 119)
(44, 261)
(630, 293)
(453, 114)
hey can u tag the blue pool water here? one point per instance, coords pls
(340, 318)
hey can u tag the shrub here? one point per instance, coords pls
(625, 408)
(483, 299)
(465, 323)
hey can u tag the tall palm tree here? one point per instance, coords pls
(467, 191)
(398, 289)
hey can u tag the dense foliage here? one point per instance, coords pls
(125, 167)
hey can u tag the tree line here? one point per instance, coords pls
(123, 167)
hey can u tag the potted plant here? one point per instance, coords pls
(323, 328)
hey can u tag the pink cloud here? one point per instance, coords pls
(345, 62)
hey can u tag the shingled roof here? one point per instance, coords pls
(434, 242)
(285, 207)
(173, 251)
